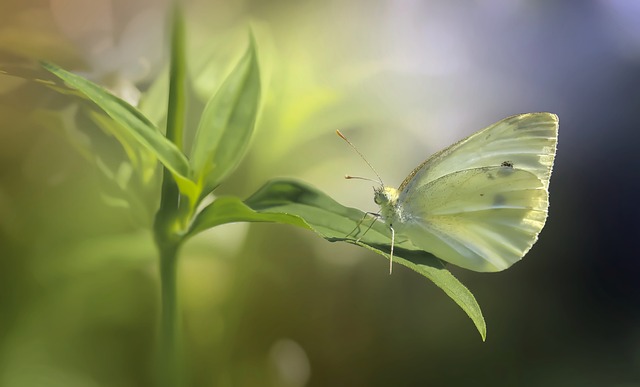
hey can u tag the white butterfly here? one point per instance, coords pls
(480, 203)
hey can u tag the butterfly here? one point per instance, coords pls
(481, 203)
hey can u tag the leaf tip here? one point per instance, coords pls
(481, 326)
(252, 50)
(252, 38)
(47, 65)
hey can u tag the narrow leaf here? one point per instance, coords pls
(230, 210)
(135, 122)
(291, 202)
(227, 123)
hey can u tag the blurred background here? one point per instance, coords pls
(271, 305)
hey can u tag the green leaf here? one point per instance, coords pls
(291, 202)
(135, 122)
(227, 123)
(142, 159)
(229, 209)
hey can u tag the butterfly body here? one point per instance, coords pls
(387, 199)
(482, 202)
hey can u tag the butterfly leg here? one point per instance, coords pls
(355, 231)
(393, 239)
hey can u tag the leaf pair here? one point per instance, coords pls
(223, 133)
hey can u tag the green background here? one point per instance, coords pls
(273, 305)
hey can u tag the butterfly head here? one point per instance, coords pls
(385, 196)
(387, 199)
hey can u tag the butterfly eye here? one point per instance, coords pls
(377, 196)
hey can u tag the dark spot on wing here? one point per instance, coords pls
(481, 194)
(506, 169)
(499, 200)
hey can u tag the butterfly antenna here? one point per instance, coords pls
(342, 136)
(349, 177)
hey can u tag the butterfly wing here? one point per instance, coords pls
(481, 203)
(525, 141)
(482, 219)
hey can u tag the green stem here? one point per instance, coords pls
(170, 365)
(177, 89)
(170, 199)
(167, 227)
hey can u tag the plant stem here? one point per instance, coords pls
(177, 85)
(170, 353)
(167, 230)
(170, 197)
